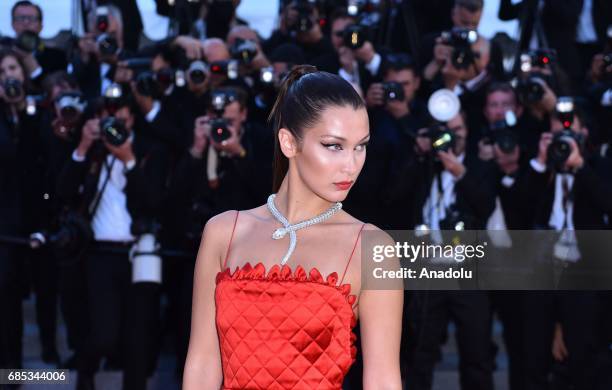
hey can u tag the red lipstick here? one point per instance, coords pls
(343, 185)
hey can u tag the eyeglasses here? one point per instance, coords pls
(26, 19)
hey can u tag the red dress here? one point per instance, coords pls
(284, 329)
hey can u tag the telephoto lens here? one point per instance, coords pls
(27, 41)
(244, 50)
(560, 148)
(13, 88)
(70, 105)
(304, 19)
(393, 90)
(354, 36)
(113, 131)
(107, 44)
(197, 72)
(461, 39)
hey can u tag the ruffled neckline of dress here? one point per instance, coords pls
(280, 272)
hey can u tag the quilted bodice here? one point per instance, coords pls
(284, 329)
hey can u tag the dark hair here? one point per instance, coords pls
(304, 95)
(500, 87)
(470, 5)
(12, 53)
(238, 94)
(26, 3)
(59, 78)
(398, 61)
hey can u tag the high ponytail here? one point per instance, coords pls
(304, 94)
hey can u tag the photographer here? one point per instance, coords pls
(571, 193)
(39, 59)
(396, 114)
(99, 51)
(299, 24)
(354, 57)
(116, 178)
(227, 166)
(450, 188)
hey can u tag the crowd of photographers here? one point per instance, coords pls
(113, 156)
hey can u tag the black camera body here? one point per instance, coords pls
(560, 148)
(219, 126)
(244, 50)
(304, 21)
(27, 41)
(113, 131)
(354, 36)
(153, 84)
(503, 133)
(227, 68)
(529, 90)
(461, 39)
(540, 58)
(393, 90)
(442, 138)
(13, 88)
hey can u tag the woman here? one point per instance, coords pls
(273, 326)
(21, 159)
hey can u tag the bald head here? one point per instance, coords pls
(215, 50)
(242, 32)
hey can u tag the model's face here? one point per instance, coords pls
(333, 152)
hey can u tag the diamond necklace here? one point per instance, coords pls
(288, 228)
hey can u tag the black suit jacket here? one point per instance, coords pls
(592, 201)
(145, 189)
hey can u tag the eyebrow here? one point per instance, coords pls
(341, 138)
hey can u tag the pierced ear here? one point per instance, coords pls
(287, 142)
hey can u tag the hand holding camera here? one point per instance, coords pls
(451, 163)
(201, 133)
(88, 47)
(89, 135)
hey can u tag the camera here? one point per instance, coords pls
(107, 44)
(197, 72)
(560, 148)
(540, 58)
(154, 83)
(13, 88)
(393, 90)
(113, 131)
(461, 39)
(503, 133)
(27, 41)
(529, 90)
(442, 139)
(266, 75)
(304, 21)
(354, 36)
(70, 105)
(228, 68)
(244, 50)
(219, 130)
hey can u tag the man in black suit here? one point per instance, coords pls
(449, 186)
(121, 187)
(359, 67)
(571, 196)
(28, 17)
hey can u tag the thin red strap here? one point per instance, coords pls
(230, 241)
(350, 258)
